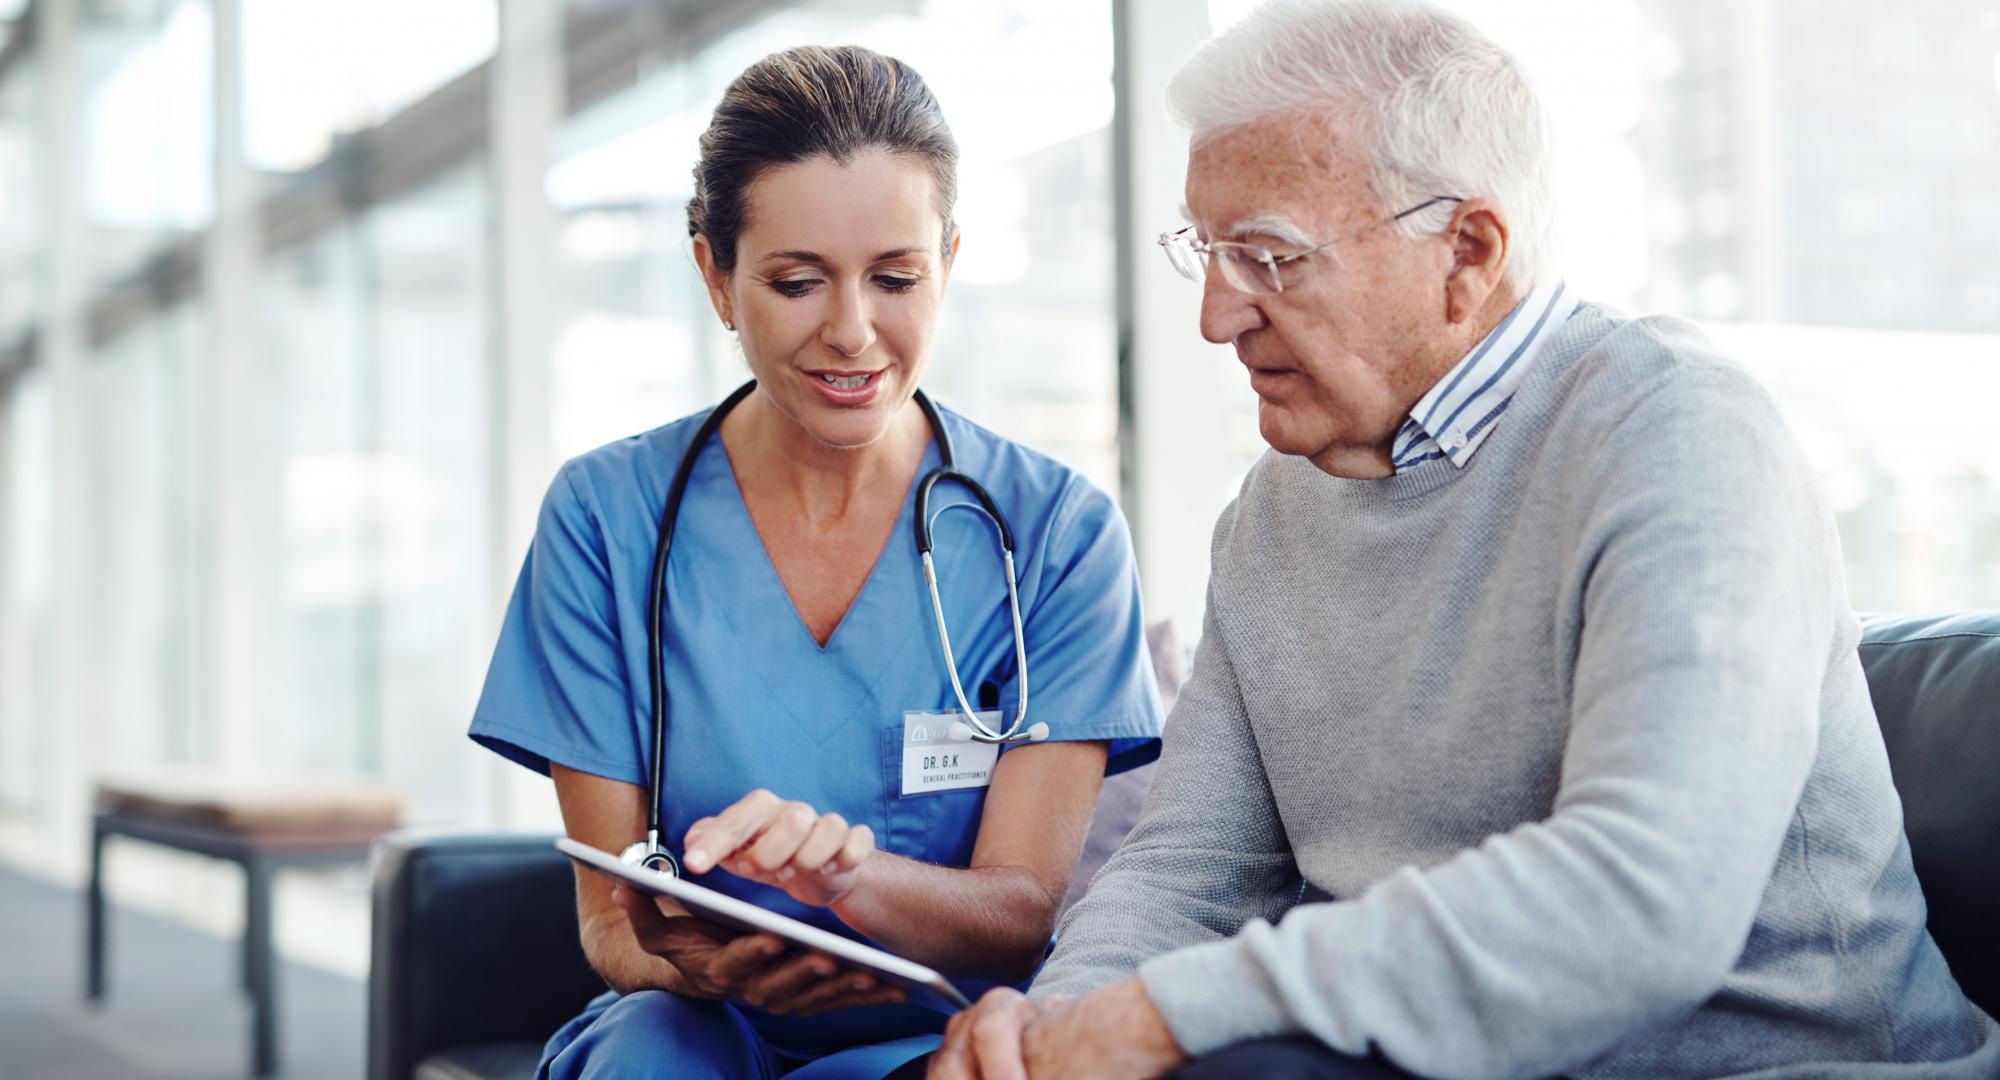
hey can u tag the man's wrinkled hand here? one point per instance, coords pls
(984, 1042)
(1114, 1033)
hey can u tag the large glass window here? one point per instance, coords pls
(147, 128)
(27, 586)
(312, 72)
(431, 487)
(312, 303)
(635, 344)
(139, 547)
(21, 266)
(377, 334)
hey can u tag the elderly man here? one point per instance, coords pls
(1526, 646)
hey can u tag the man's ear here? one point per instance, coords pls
(714, 277)
(1479, 248)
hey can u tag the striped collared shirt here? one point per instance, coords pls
(1458, 413)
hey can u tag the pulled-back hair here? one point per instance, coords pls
(811, 102)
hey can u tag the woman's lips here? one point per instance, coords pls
(845, 388)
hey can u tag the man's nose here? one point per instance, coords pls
(1226, 311)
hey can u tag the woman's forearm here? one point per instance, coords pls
(625, 967)
(993, 921)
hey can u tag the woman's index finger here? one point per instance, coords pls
(722, 835)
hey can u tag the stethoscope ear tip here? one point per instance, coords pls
(1037, 731)
(959, 732)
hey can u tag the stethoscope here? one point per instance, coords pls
(650, 853)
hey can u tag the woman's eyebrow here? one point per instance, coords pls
(814, 257)
(795, 255)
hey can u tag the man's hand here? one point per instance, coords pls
(753, 968)
(1115, 1032)
(984, 1042)
(814, 857)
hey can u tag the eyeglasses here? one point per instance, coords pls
(1252, 268)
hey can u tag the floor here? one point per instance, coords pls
(173, 1009)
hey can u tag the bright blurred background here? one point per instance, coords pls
(302, 303)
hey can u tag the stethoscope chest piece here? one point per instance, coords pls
(650, 855)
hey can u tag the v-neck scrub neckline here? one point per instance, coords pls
(905, 514)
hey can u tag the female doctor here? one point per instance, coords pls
(802, 653)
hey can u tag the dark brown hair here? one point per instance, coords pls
(809, 102)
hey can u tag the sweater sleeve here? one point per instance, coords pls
(1706, 569)
(1208, 853)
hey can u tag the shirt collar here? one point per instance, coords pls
(1456, 415)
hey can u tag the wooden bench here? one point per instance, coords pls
(262, 826)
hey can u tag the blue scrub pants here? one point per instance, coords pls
(653, 1034)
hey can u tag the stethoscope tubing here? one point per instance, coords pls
(651, 852)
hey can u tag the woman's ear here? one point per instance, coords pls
(951, 250)
(1479, 249)
(715, 278)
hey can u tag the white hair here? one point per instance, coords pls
(1449, 111)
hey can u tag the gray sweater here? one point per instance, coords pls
(1577, 741)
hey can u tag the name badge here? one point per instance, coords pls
(933, 762)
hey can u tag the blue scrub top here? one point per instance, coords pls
(754, 701)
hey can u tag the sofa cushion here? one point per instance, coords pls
(1936, 685)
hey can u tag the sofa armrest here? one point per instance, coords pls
(474, 940)
(1934, 680)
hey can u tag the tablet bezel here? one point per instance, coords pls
(736, 914)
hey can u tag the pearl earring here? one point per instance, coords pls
(727, 325)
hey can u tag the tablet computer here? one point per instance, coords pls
(737, 914)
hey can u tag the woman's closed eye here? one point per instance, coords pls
(795, 287)
(798, 287)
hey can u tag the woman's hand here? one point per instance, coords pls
(815, 858)
(714, 962)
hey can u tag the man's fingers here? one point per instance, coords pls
(711, 840)
(996, 1035)
(953, 1059)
